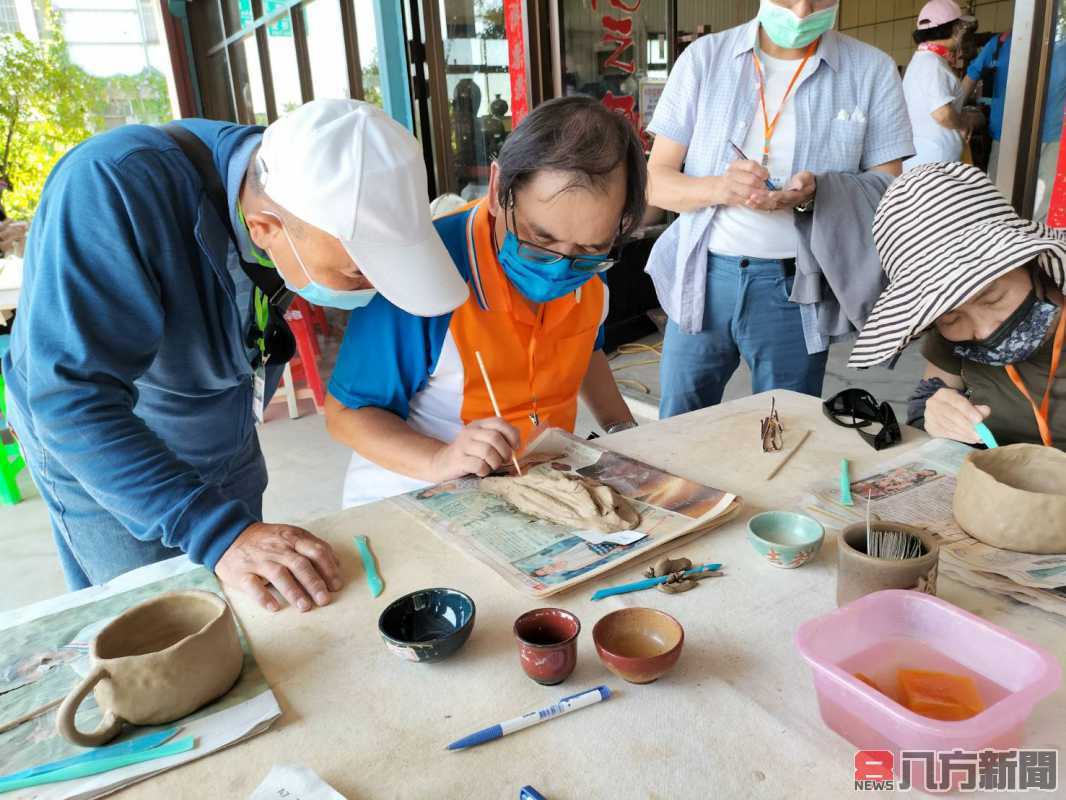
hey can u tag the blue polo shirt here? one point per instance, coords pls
(996, 55)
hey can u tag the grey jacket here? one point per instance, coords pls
(838, 273)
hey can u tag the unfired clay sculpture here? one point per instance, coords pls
(157, 662)
(568, 500)
(1014, 498)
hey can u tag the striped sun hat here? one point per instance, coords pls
(944, 233)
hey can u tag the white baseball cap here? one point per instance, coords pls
(346, 167)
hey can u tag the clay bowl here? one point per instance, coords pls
(639, 645)
(784, 538)
(427, 625)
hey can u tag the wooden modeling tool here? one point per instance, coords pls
(788, 456)
(495, 405)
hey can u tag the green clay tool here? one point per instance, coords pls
(373, 580)
(987, 439)
(84, 769)
(845, 484)
(136, 745)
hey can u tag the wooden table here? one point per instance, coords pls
(736, 718)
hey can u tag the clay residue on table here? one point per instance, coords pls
(568, 500)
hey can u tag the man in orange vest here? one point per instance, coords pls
(407, 394)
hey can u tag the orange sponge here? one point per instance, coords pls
(939, 695)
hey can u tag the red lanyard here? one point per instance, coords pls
(768, 125)
(1041, 413)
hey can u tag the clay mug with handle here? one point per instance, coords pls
(157, 662)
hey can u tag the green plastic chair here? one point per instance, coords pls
(11, 461)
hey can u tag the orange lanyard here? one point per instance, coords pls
(1041, 413)
(768, 125)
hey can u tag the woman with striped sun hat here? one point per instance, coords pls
(987, 286)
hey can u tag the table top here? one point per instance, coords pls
(736, 717)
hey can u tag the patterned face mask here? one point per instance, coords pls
(1020, 335)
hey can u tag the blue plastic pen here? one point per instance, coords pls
(529, 793)
(564, 706)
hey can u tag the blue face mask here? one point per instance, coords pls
(318, 294)
(540, 281)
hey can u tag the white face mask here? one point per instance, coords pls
(315, 292)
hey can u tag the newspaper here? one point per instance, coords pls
(542, 558)
(44, 654)
(918, 488)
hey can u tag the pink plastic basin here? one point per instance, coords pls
(881, 632)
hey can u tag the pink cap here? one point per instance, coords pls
(939, 12)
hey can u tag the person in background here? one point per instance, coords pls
(143, 350)
(986, 288)
(931, 86)
(568, 186)
(992, 65)
(12, 237)
(799, 99)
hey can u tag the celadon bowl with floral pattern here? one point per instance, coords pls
(784, 538)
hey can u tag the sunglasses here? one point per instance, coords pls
(858, 409)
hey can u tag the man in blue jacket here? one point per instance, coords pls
(155, 279)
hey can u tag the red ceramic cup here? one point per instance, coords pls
(547, 644)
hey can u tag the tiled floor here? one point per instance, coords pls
(307, 467)
(640, 382)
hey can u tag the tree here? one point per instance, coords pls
(47, 105)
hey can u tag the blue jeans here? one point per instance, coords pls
(747, 314)
(94, 546)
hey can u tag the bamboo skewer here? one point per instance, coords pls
(788, 456)
(37, 712)
(495, 405)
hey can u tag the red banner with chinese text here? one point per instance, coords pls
(516, 59)
(1056, 215)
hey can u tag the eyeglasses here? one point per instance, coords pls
(543, 255)
(858, 409)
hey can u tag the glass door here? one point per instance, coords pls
(467, 90)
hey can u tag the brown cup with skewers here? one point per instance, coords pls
(859, 573)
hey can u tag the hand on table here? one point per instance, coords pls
(480, 448)
(302, 567)
(949, 415)
(798, 190)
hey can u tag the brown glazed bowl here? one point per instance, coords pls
(639, 645)
(547, 644)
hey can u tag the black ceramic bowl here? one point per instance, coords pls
(427, 625)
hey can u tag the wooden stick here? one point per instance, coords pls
(788, 455)
(495, 405)
(37, 712)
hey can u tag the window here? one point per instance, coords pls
(257, 59)
(9, 18)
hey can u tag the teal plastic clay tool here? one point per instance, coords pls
(845, 484)
(650, 582)
(373, 580)
(987, 439)
(137, 745)
(86, 768)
